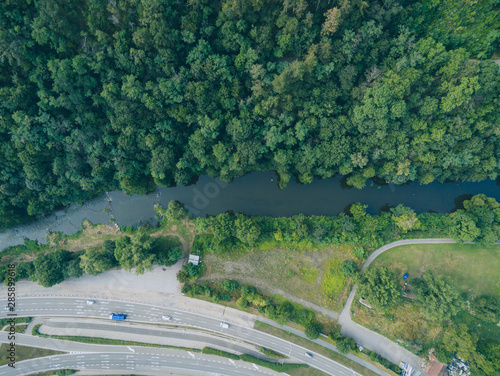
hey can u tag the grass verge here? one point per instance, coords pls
(316, 348)
(24, 353)
(107, 341)
(59, 372)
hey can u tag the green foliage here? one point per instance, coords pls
(271, 353)
(168, 257)
(438, 299)
(462, 227)
(313, 330)
(74, 270)
(136, 252)
(349, 268)
(223, 227)
(230, 285)
(247, 230)
(51, 269)
(359, 252)
(405, 218)
(487, 308)
(345, 345)
(225, 354)
(379, 287)
(175, 211)
(149, 93)
(458, 340)
(96, 261)
(279, 367)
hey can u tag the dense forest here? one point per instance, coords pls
(129, 94)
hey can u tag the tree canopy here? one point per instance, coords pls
(379, 287)
(130, 94)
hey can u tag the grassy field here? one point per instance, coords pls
(298, 273)
(24, 352)
(470, 267)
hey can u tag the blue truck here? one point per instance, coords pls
(118, 316)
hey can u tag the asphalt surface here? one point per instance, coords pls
(149, 361)
(141, 333)
(70, 306)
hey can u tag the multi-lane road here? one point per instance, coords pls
(152, 362)
(77, 307)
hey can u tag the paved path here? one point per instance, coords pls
(374, 341)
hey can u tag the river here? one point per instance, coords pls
(256, 193)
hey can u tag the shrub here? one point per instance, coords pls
(230, 285)
(271, 353)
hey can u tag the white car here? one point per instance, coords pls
(166, 318)
(90, 302)
(224, 325)
(309, 355)
(7, 308)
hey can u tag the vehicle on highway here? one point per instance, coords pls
(224, 325)
(309, 355)
(7, 308)
(118, 316)
(90, 302)
(166, 318)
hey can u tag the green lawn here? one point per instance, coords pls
(468, 266)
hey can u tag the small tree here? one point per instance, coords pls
(438, 299)
(345, 345)
(380, 288)
(359, 252)
(242, 303)
(175, 211)
(405, 218)
(247, 230)
(349, 268)
(313, 330)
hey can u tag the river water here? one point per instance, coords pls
(256, 193)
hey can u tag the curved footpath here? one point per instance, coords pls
(368, 338)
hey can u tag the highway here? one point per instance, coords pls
(71, 306)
